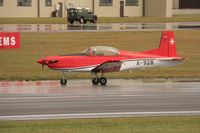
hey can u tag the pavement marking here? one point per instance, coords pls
(61, 97)
(86, 96)
(96, 115)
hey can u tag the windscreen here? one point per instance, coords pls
(101, 51)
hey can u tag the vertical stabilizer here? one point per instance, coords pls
(167, 44)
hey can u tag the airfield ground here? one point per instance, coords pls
(21, 64)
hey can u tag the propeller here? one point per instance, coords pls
(41, 52)
(43, 62)
(42, 57)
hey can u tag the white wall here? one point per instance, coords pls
(175, 4)
(79, 3)
(46, 11)
(107, 11)
(134, 11)
(159, 8)
(114, 10)
(10, 9)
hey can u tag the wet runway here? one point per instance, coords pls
(120, 98)
(102, 27)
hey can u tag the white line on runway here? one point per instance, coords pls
(61, 97)
(85, 96)
(97, 115)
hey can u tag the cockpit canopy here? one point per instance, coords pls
(101, 51)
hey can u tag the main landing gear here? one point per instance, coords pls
(102, 80)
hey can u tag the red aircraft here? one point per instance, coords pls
(103, 59)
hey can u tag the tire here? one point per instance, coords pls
(82, 20)
(63, 81)
(71, 21)
(94, 20)
(85, 22)
(103, 81)
(95, 81)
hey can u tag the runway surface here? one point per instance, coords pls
(100, 27)
(120, 98)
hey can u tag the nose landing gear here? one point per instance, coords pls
(63, 81)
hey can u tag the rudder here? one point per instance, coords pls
(167, 44)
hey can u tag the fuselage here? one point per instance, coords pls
(130, 60)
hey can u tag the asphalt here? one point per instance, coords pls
(79, 99)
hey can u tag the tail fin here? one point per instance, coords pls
(167, 45)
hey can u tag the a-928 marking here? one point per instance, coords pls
(145, 62)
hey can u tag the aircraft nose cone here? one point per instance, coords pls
(40, 61)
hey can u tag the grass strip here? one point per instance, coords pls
(181, 124)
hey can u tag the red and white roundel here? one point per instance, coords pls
(9, 40)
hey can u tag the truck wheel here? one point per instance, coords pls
(81, 20)
(71, 21)
(94, 20)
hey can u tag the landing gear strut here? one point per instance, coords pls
(95, 81)
(63, 81)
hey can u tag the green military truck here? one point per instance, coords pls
(81, 15)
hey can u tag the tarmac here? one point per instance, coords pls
(24, 100)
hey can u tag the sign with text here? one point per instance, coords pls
(9, 40)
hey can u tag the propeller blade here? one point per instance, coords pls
(41, 52)
(43, 63)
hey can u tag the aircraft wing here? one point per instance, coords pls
(109, 66)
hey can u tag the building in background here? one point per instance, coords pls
(103, 8)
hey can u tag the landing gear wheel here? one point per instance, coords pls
(63, 81)
(95, 81)
(103, 81)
